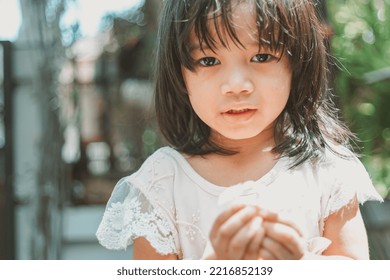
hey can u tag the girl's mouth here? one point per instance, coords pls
(239, 115)
(238, 111)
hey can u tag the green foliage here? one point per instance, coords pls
(361, 44)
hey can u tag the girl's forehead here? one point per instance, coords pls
(238, 24)
(238, 13)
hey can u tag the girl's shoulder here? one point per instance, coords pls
(161, 164)
(338, 157)
(340, 164)
(153, 179)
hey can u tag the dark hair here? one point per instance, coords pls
(309, 122)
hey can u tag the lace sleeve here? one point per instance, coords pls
(348, 179)
(130, 214)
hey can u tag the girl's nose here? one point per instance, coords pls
(237, 81)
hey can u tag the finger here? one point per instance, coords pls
(233, 224)
(252, 251)
(280, 218)
(286, 236)
(277, 249)
(222, 218)
(240, 241)
(269, 215)
(221, 237)
(264, 254)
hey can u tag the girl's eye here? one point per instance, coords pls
(262, 57)
(208, 61)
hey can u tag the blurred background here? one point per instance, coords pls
(76, 114)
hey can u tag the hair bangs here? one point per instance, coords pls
(272, 33)
(213, 26)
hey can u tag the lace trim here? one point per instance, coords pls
(123, 222)
(350, 181)
(344, 191)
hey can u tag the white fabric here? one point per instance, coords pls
(173, 207)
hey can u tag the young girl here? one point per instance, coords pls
(259, 166)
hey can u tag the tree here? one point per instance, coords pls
(361, 43)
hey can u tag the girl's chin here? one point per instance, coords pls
(238, 136)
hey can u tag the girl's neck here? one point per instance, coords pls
(263, 142)
(254, 159)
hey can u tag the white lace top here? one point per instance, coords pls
(173, 207)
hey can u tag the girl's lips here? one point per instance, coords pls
(239, 115)
(237, 111)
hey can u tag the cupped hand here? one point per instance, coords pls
(237, 233)
(283, 240)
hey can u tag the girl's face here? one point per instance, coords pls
(238, 91)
